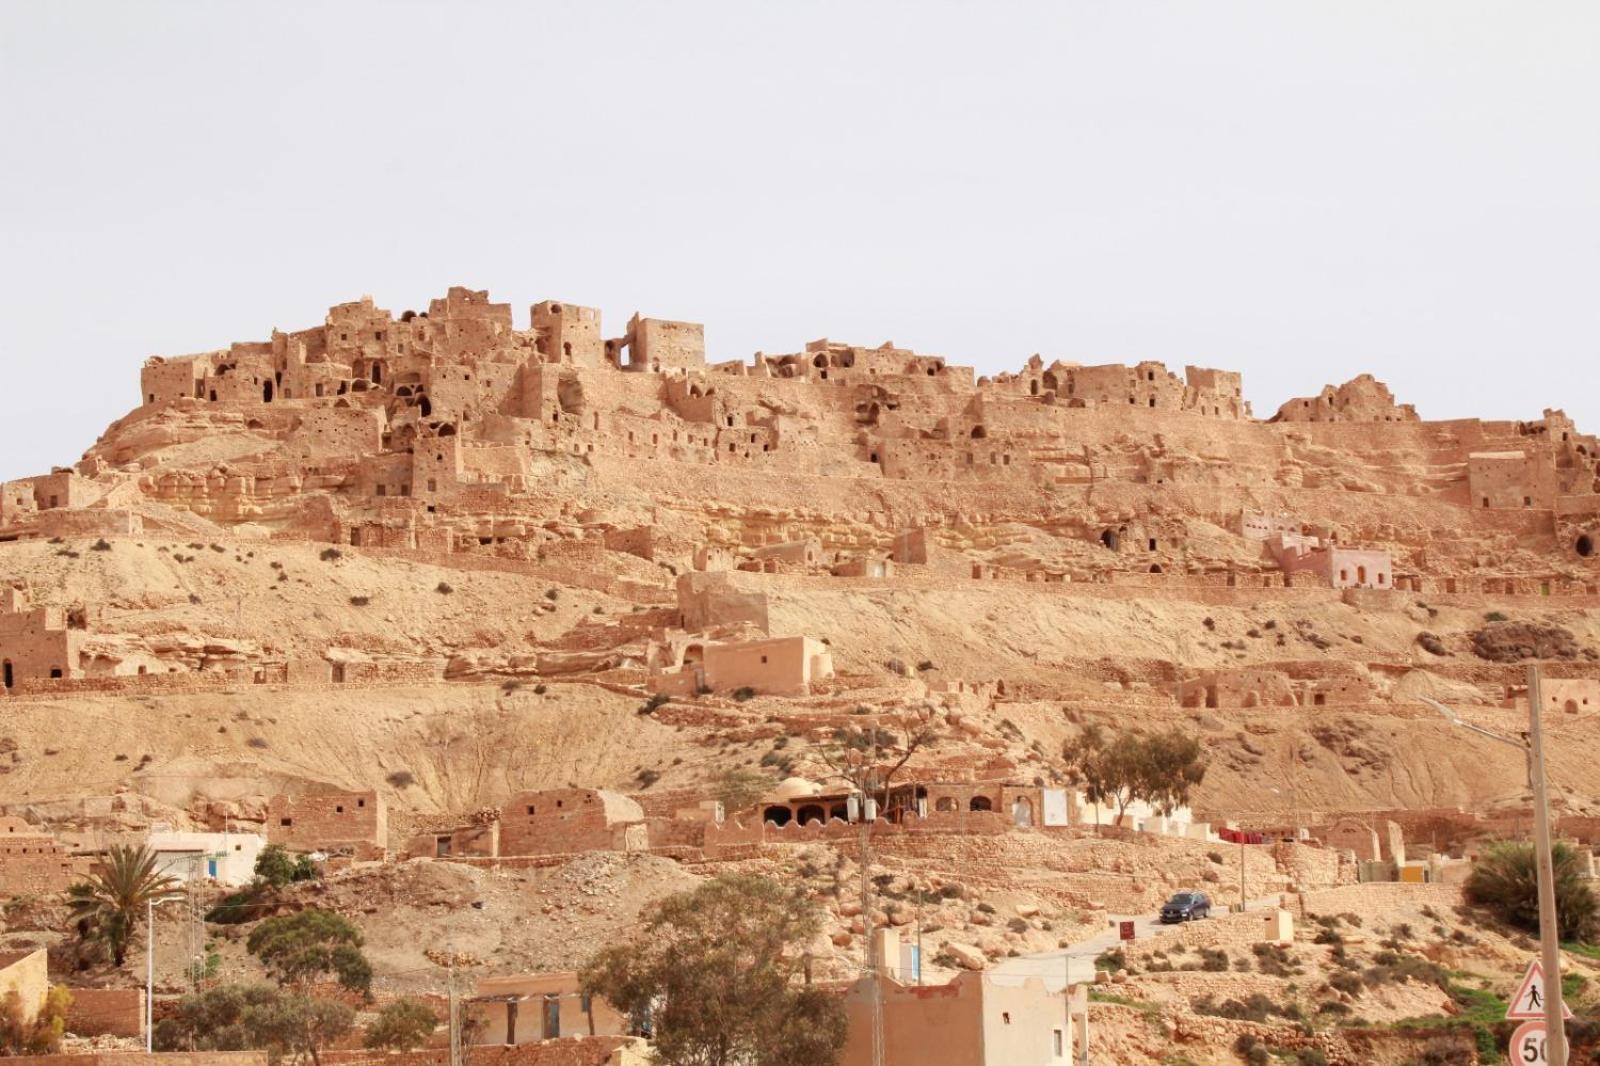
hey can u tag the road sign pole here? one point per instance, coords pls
(1549, 930)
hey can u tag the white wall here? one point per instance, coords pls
(229, 858)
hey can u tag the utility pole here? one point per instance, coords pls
(1549, 929)
(1532, 747)
(149, 975)
(866, 925)
(922, 897)
(1241, 872)
(455, 1030)
(150, 969)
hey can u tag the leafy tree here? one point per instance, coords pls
(1169, 767)
(1086, 765)
(402, 1025)
(277, 868)
(740, 789)
(868, 759)
(299, 1027)
(1505, 880)
(218, 1019)
(42, 1034)
(1162, 770)
(714, 969)
(298, 949)
(249, 1017)
(106, 907)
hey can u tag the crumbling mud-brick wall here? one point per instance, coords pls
(36, 643)
(31, 862)
(106, 1012)
(1511, 480)
(329, 820)
(561, 821)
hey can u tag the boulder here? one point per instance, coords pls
(967, 956)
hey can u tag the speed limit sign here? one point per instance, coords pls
(1527, 1045)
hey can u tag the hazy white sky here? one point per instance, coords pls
(1302, 191)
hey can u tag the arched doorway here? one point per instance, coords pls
(840, 811)
(1584, 545)
(1022, 811)
(266, 391)
(10, 680)
(777, 815)
(811, 812)
(980, 803)
(1109, 539)
(945, 804)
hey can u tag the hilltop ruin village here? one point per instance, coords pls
(515, 622)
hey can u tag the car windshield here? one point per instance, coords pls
(1183, 897)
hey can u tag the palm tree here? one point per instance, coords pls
(107, 905)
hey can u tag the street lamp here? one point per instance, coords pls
(1532, 747)
(150, 906)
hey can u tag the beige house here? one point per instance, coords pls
(978, 1019)
(777, 665)
(527, 1008)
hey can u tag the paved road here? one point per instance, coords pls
(1075, 962)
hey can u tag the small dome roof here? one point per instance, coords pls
(794, 788)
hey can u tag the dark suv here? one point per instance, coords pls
(1185, 907)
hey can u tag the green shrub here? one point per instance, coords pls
(1504, 881)
(402, 1025)
(276, 867)
(1346, 982)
